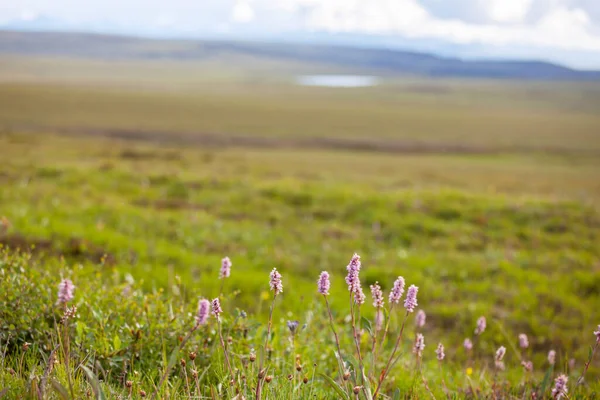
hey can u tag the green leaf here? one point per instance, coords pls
(396, 394)
(366, 324)
(545, 381)
(60, 389)
(94, 382)
(116, 342)
(335, 386)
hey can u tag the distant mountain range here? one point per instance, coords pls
(373, 60)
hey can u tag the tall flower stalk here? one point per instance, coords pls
(410, 303)
(217, 310)
(65, 295)
(323, 285)
(357, 298)
(378, 302)
(224, 272)
(592, 353)
(276, 287)
(201, 318)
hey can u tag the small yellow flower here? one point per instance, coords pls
(469, 371)
(265, 295)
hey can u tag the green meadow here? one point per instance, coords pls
(144, 174)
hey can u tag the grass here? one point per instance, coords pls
(508, 229)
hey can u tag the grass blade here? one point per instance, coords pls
(60, 389)
(335, 386)
(98, 393)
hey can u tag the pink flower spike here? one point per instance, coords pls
(203, 311)
(481, 324)
(377, 295)
(468, 344)
(216, 307)
(411, 298)
(275, 282)
(420, 318)
(440, 352)
(560, 389)
(323, 283)
(65, 291)
(397, 291)
(225, 268)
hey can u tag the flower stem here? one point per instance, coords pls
(587, 364)
(262, 358)
(337, 340)
(385, 371)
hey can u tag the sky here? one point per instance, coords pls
(567, 31)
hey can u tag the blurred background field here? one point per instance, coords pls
(483, 192)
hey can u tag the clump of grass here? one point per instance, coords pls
(117, 344)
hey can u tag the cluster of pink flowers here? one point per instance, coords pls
(481, 324)
(353, 279)
(225, 268)
(420, 319)
(419, 345)
(377, 295)
(523, 341)
(468, 344)
(323, 283)
(552, 357)
(440, 352)
(397, 291)
(203, 311)
(275, 282)
(410, 303)
(560, 389)
(216, 307)
(65, 291)
(499, 356)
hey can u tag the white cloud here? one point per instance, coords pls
(511, 11)
(242, 12)
(548, 25)
(561, 27)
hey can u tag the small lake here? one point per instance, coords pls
(341, 81)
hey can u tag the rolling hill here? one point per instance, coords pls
(375, 61)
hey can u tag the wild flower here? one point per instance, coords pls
(216, 307)
(481, 324)
(499, 356)
(293, 326)
(560, 389)
(377, 295)
(523, 341)
(353, 280)
(323, 283)
(419, 345)
(500, 353)
(203, 311)
(528, 365)
(65, 291)
(597, 333)
(440, 352)
(275, 282)
(420, 319)
(359, 296)
(397, 290)
(353, 269)
(225, 268)
(411, 298)
(552, 357)
(468, 344)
